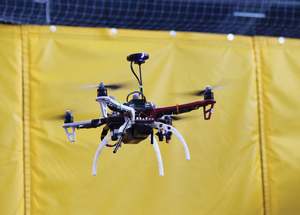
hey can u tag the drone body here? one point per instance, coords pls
(136, 120)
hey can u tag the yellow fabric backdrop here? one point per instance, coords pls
(280, 86)
(224, 175)
(11, 143)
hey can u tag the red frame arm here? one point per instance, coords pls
(178, 109)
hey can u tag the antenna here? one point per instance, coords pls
(138, 58)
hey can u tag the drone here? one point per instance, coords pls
(135, 120)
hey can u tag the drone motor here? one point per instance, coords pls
(208, 94)
(68, 117)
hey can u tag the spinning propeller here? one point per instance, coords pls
(110, 86)
(207, 90)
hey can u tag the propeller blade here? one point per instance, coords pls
(201, 92)
(109, 86)
(180, 117)
(198, 93)
(58, 117)
(114, 86)
(90, 86)
(176, 118)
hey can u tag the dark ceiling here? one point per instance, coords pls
(243, 17)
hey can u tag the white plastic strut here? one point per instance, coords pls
(169, 128)
(158, 155)
(126, 125)
(107, 101)
(71, 135)
(101, 146)
(73, 125)
(103, 108)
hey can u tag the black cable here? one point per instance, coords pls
(141, 83)
(139, 80)
(134, 72)
(140, 93)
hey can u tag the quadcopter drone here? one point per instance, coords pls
(136, 120)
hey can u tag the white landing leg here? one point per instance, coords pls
(158, 155)
(168, 128)
(101, 146)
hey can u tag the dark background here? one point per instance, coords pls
(281, 18)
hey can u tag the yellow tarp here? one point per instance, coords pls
(225, 174)
(11, 108)
(280, 89)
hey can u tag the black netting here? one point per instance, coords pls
(244, 17)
